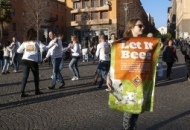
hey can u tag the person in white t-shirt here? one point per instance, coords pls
(15, 56)
(103, 52)
(30, 50)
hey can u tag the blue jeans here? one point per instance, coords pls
(16, 61)
(61, 64)
(6, 64)
(1, 62)
(56, 71)
(103, 68)
(73, 66)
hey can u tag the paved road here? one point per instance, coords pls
(81, 106)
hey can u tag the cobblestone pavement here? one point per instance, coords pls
(81, 106)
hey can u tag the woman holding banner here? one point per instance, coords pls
(134, 28)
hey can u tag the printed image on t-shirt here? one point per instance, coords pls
(30, 48)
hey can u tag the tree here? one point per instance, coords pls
(36, 15)
(5, 15)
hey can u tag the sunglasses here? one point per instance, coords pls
(140, 25)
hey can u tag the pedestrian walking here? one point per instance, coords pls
(30, 50)
(169, 56)
(84, 47)
(75, 49)
(185, 49)
(134, 28)
(6, 57)
(102, 52)
(56, 52)
(1, 56)
(15, 56)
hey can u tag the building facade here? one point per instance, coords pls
(56, 20)
(92, 17)
(179, 18)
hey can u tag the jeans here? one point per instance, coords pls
(6, 64)
(1, 62)
(56, 71)
(103, 68)
(85, 54)
(16, 61)
(61, 64)
(73, 66)
(35, 71)
(130, 121)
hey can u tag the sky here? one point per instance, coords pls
(158, 10)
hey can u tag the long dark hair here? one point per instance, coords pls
(30, 35)
(130, 24)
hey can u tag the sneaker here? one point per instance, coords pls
(189, 79)
(15, 71)
(51, 87)
(23, 95)
(75, 78)
(7, 72)
(108, 89)
(3, 73)
(62, 86)
(83, 61)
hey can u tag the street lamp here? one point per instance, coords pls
(126, 7)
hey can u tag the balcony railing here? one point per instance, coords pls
(90, 22)
(91, 9)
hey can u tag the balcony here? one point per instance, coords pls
(90, 22)
(91, 9)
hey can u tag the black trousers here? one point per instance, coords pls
(187, 61)
(169, 68)
(130, 121)
(27, 66)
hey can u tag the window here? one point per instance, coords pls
(57, 6)
(76, 5)
(103, 2)
(85, 3)
(14, 26)
(95, 15)
(77, 17)
(104, 15)
(94, 3)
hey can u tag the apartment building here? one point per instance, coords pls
(179, 16)
(92, 17)
(56, 20)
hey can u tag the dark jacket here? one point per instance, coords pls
(169, 54)
(185, 49)
(84, 44)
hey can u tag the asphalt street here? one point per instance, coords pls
(82, 106)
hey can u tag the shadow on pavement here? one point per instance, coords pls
(165, 122)
(163, 83)
(52, 95)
